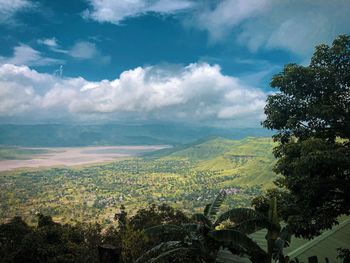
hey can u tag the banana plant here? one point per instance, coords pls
(201, 241)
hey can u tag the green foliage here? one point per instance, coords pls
(284, 200)
(213, 209)
(133, 243)
(236, 240)
(11, 234)
(311, 114)
(154, 215)
(201, 241)
(344, 253)
(178, 239)
(48, 242)
(245, 220)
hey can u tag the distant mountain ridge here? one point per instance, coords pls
(65, 135)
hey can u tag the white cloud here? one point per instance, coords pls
(50, 42)
(26, 55)
(116, 11)
(83, 50)
(294, 25)
(9, 8)
(88, 50)
(198, 92)
(219, 21)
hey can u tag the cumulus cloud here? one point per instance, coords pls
(196, 93)
(297, 25)
(9, 8)
(26, 55)
(294, 25)
(220, 19)
(88, 50)
(83, 50)
(116, 11)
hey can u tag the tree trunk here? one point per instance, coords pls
(109, 254)
(272, 234)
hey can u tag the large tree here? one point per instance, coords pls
(311, 113)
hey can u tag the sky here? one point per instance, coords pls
(202, 62)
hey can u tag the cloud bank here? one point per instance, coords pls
(293, 25)
(26, 55)
(195, 93)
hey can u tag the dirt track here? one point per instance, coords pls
(77, 156)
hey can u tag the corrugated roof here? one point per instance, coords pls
(322, 246)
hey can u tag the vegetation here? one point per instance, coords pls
(201, 241)
(310, 111)
(51, 242)
(187, 178)
(153, 234)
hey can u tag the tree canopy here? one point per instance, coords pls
(311, 113)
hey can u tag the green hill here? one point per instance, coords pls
(250, 159)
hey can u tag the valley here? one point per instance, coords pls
(186, 177)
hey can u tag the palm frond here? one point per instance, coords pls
(206, 209)
(245, 218)
(165, 230)
(158, 250)
(215, 206)
(202, 219)
(191, 227)
(253, 225)
(229, 238)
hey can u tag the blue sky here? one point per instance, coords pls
(199, 62)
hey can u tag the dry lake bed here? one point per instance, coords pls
(71, 156)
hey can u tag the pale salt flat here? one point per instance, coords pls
(72, 156)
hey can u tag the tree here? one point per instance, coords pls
(157, 214)
(311, 114)
(11, 235)
(201, 241)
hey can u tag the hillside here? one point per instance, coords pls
(186, 177)
(250, 159)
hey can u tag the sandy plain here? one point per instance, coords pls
(73, 156)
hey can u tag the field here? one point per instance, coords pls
(186, 177)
